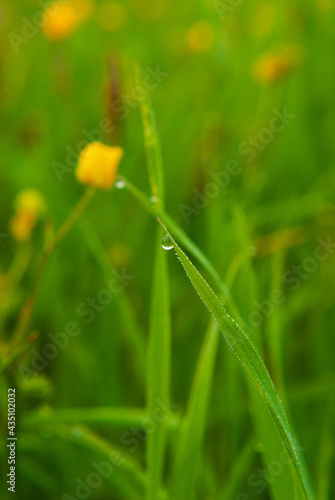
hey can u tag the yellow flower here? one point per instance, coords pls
(98, 165)
(61, 19)
(29, 206)
(273, 67)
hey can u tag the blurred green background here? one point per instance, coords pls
(226, 69)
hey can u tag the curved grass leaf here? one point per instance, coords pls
(266, 433)
(157, 211)
(245, 351)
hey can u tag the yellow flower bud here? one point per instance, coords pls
(30, 200)
(21, 226)
(98, 165)
(29, 206)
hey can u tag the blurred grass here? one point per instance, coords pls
(50, 91)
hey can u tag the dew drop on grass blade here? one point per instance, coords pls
(247, 354)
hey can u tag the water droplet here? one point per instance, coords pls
(120, 183)
(167, 243)
(153, 199)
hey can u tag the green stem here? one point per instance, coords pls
(22, 326)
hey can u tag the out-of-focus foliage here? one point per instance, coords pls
(244, 102)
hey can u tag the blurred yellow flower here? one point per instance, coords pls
(98, 164)
(273, 67)
(29, 206)
(112, 16)
(200, 37)
(61, 19)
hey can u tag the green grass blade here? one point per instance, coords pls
(269, 440)
(158, 369)
(274, 325)
(326, 454)
(116, 416)
(111, 416)
(158, 354)
(152, 145)
(156, 211)
(250, 360)
(194, 424)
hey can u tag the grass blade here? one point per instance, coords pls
(194, 423)
(269, 441)
(158, 369)
(104, 415)
(241, 345)
(152, 145)
(158, 355)
(157, 211)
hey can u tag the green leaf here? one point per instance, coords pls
(158, 354)
(248, 356)
(194, 424)
(157, 211)
(116, 416)
(107, 415)
(158, 369)
(152, 144)
(269, 440)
